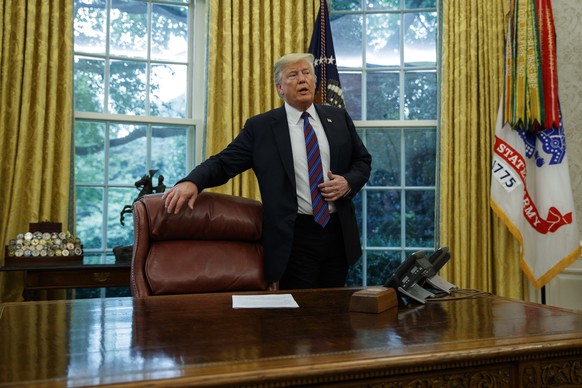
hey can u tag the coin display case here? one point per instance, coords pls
(44, 243)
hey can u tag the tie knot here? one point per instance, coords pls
(305, 116)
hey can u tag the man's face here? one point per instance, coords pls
(297, 85)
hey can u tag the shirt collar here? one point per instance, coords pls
(294, 115)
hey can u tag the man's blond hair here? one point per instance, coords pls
(290, 59)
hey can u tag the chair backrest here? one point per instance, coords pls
(215, 247)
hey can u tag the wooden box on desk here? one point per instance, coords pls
(373, 300)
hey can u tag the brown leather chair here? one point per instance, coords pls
(214, 248)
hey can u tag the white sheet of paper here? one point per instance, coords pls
(263, 301)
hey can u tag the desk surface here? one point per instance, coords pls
(201, 340)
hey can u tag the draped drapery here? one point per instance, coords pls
(486, 257)
(36, 111)
(245, 39)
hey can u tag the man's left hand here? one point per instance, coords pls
(335, 188)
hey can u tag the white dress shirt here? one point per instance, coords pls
(300, 154)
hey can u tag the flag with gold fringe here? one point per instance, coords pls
(328, 87)
(530, 179)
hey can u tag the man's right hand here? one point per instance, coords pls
(183, 192)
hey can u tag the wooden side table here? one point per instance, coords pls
(71, 275)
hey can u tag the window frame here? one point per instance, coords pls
(196, 63)
(401, 124)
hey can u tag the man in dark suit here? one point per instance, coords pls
(301, 250)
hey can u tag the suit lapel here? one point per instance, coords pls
(282, 138)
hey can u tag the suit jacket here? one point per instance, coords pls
(264, 145)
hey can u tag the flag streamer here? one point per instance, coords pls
(531, 102)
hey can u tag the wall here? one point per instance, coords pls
(566, 288)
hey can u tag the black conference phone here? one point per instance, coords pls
(417, 276)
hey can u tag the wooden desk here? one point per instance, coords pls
(39, 276)
(199, 340)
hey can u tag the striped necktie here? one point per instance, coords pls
(320, 208)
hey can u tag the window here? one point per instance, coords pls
(135, 113)
(387, 58)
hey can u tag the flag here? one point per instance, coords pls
(530, 178)
(328, 87)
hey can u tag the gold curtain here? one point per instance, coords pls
(36, 89)
(486, 257)
(245, 39)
